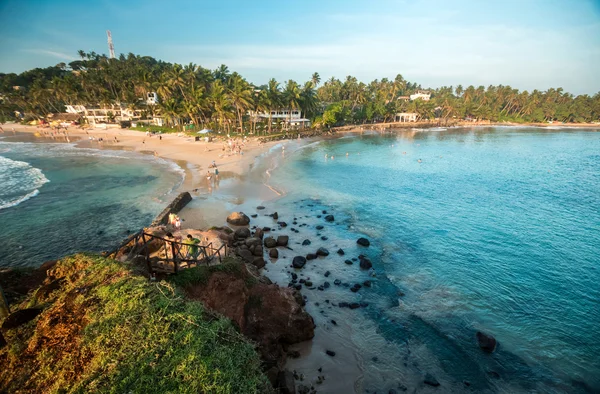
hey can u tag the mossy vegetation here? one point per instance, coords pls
(109, 330)
(199, 275)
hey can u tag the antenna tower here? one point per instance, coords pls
(111, 47)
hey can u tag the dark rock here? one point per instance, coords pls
(341, 252)
(487, 343)
(242, 233)
(253, 241)
(364, 304)
(45, 290)
(311, 256)
(258, 262)
(258, 251)
(431, 380)
(326, 274)
(324, 238)
(354, 305)
(253, 215)
(238, 219)
(322, 252)
(392, 391)
(354, 289)
(329, 218)
(308, 283)
(319, 227)
(270, 242)
(294, 275)
(334, 322)
(321, 288)
(2, 341)
(259, 233)
(367, 283)
(275, 216)
(466, 383)
(326, 285)
(298, 262)
(365, 263)
(298, 287)
(363, 242)
(20, 317)
(282, 224)
(246, 255)
(318, 216)
(349, 262)
(266, 229)
(306, 242)
(343, 305)
(282, 240)
(286, 383)
(260, 207)
(337, 282)
(330, 353)
(273, 253)
(324, 212)
(302, 280)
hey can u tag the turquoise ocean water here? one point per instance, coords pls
(57, 199)
(494, 229)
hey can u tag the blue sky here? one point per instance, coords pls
(527, 44)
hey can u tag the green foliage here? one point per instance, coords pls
(126, 335)
(226, 102)
(200, 274)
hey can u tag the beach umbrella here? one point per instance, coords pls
(204, 131)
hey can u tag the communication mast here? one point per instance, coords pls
(111, 47)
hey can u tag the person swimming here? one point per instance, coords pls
(420, 161)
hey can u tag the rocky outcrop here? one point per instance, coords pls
(298, 262)
(238, 219)
(270, 315)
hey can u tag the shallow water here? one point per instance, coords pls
(494, 229)
(60, 199)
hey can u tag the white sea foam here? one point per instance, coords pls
(19, 182)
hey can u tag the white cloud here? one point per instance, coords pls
(60, 55)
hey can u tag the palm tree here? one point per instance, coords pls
(315, 79)
(241, 96)
(274, 99)
(291, 98)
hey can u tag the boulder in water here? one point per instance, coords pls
(329, 218)
(238, 219)
(322, 252)
(487, 343)
(431, 380)
(363, 242)
(298, 262)
(282, 240)
(241, 233)
(270, 242)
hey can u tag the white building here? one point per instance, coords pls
(406, 117)
(151, 98)
(293, 117)
(420, 95)
(103, 114)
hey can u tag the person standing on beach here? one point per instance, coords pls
(192, 246)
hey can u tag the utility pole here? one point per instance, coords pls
(111, 47)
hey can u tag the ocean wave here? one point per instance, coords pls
(20, 181)
(8, 204)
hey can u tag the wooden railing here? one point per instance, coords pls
(171, 255)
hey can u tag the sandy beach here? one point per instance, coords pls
(194, 157)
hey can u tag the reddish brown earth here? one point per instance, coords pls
(270, 315)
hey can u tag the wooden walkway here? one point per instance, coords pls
(170, 256)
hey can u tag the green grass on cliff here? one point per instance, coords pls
(109, 330)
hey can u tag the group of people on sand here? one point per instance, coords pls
(175, 221)
(234, 146)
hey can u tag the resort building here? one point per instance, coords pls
(406, 117)
(293, 117)
(151, 98)
(420, 95)
(103, 114)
